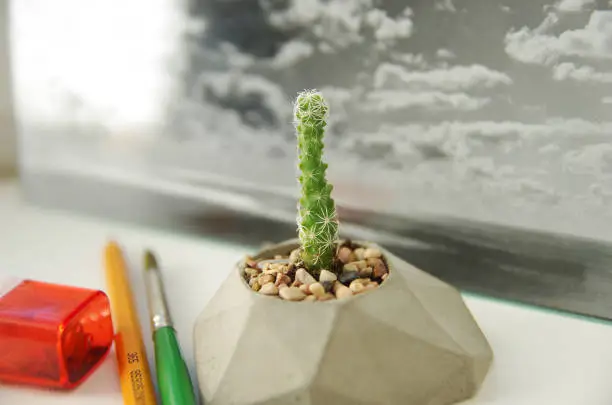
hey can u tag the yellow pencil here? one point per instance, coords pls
(134, 372)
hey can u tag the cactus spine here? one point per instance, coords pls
(317, 220)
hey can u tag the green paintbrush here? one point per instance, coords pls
(173, 379)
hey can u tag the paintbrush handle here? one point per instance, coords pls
(173, 379)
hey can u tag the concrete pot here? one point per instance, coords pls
(411, 341)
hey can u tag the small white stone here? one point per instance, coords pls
(317, 289)
(269, 289)
(327, 276)
(304, 277)
(359, 253)
(356, 286)
(371, 253)
(343, 292)
(292, 294)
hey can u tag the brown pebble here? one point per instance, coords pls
(269, 289)
(359, 253)
(310, 298)
(282, 279)
(304, 277)
(372, 253)
(379, 269)
(344, 254)
(305, 288)
(326, 297)
(327, 276)
(255, 286)
(292, 294)
(266, 278)
(317, 289)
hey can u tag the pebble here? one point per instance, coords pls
(250, 262)
(317, 289)
(268, 264)
(348, 276)
(282, 279)
(292, 294)
(326, 297)
(304, 277)
(310, 298)
(251, 271)
(269, 289)
(357, 286)
(365, 273)
(371, 286)
(344, 254)
(305, 288)
(379, 269)
(255, 286)
(327, 275)
(370, 253)
(359, 253)
(355, 266)
(328, 285)
(296, 283)
(266, 278)
(343, 292)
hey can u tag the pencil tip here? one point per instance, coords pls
(150, 262)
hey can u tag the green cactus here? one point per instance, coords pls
(317, 219)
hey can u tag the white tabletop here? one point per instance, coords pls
(542, 358)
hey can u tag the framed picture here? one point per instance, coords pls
(473, 137)
(8, 136)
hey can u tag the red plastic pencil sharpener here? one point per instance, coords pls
(52, 336)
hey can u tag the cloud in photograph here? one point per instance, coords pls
(291, 53)
(539, 46)
(394, 100)
(451, 79)
(573, 5)
(445, 5)
(341, 23)
(584, 74)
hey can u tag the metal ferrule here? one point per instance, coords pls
(158, 308)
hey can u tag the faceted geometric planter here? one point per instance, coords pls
(411, 341)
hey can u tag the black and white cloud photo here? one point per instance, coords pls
(497, 111)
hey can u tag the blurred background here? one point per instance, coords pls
(471, 137)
